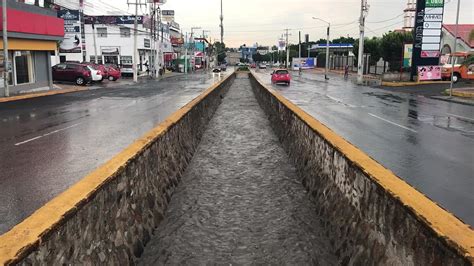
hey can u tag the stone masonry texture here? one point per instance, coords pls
(113, 226)
(239, 201)
(366, 225)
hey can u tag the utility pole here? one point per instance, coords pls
(360, 64)
(222, 24)
(186, 54)
(135, 48)
(5, 48)
(135, 41)
(453, 58)
(326, 69)
(299, 49)
(94, 39)
(287, 48)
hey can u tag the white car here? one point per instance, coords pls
(96, 76)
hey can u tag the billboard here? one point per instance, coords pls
(72, 31)
(429, 73)
(113, 20)
(304, 63)
(427, 33)
(407, 52)
(281, 45)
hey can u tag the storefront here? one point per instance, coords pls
(33, 34)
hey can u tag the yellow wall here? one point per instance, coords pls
(31, 45)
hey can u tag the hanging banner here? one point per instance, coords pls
(72, 31)
(407, 52)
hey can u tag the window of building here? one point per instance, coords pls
(99, 59)
(124, 32)
(126, 60)
(146, 43)
(102, 32)
(23, 67)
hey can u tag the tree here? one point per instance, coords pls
(392, 47)
(343, 39)
(471, 36)
(372, 47)
(220, 49)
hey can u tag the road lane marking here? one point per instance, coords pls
(461, 117)
(393, 123)
(340, 101)
(47, 134)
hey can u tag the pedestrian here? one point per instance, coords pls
(299, 70)
(346, 71)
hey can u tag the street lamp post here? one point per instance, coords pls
(192, 39)
(327, 48)
(453, 58)
(5, 48)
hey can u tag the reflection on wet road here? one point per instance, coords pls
(427, 142)
(50, 143)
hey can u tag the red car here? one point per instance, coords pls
(78, 73)
(114, 72)
(253, 65)
(281, 76)
(101, 68)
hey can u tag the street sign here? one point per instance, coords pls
(430, 54)
(427, 33)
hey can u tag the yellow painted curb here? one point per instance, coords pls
(463, 94)
(411, 83)
(457, 234)
(40, 94)
(28, 234)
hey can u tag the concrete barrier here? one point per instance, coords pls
(371, 216)
(107, 217)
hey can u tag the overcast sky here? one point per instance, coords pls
(263, 21)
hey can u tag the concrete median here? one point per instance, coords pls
(108, 216)
(370, 214)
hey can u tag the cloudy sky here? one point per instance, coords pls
(263, 21)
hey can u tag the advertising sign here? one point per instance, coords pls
(304, 63)
(167, 15)
(407, 51)
(429, 73)
(72, 32)
(427, 33)
(281, 45)
(177, 41)
(113, 20)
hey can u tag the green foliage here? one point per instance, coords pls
(220, 50)
(471, 35)
(243, 68)
(342, 39)
(372, 47)
(392, 47)
(469, 60)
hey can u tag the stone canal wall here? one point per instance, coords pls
(369, 214)
(108, 216)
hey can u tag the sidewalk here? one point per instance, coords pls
(62, 88)
(463, 92)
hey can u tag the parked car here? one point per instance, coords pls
(262, 66)
(95, 73)
(253, 65)
(114, 72)
(102, 69)
(281, 76)
(223, 67)
(74, 72)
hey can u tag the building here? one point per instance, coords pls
(409, 15)
(33, 34)
(114, 42)
(247, 53)
(464, 44)
(233, 58)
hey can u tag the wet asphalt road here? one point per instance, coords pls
(427, 142)
(49, 143)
